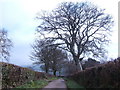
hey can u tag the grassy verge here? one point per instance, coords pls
(38, 84)
(52, 78)
(72, 85)
(34, 84)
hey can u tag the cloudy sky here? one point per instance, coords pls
(18, 18)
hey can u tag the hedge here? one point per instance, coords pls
(102, 76)
(13, 75)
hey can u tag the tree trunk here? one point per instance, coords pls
(46, 68)
(54, 72)
(77, 63)
(80, 65)
(46, 71)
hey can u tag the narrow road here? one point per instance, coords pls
(58, 84)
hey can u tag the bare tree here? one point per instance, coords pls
(51, 58)
(5, 45)
(40, 54)
(79, 28)
(58, 57)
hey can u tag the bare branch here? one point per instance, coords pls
(78, 26)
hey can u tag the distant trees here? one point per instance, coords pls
(57, 59)
(40, 54)
(69, 68)
(82, 29)
(90, 63)
(5, 45)
(50, 58)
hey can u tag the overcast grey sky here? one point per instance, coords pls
(18, 18)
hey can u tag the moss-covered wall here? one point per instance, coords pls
(13, 75)
(102, 76)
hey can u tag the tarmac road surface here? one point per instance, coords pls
(58, 84)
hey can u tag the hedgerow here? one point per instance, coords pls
(102, 76)
(13, 75)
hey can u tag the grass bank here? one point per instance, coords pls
(72, 85)
(38, 84)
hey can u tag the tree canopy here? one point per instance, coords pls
(82, 29)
